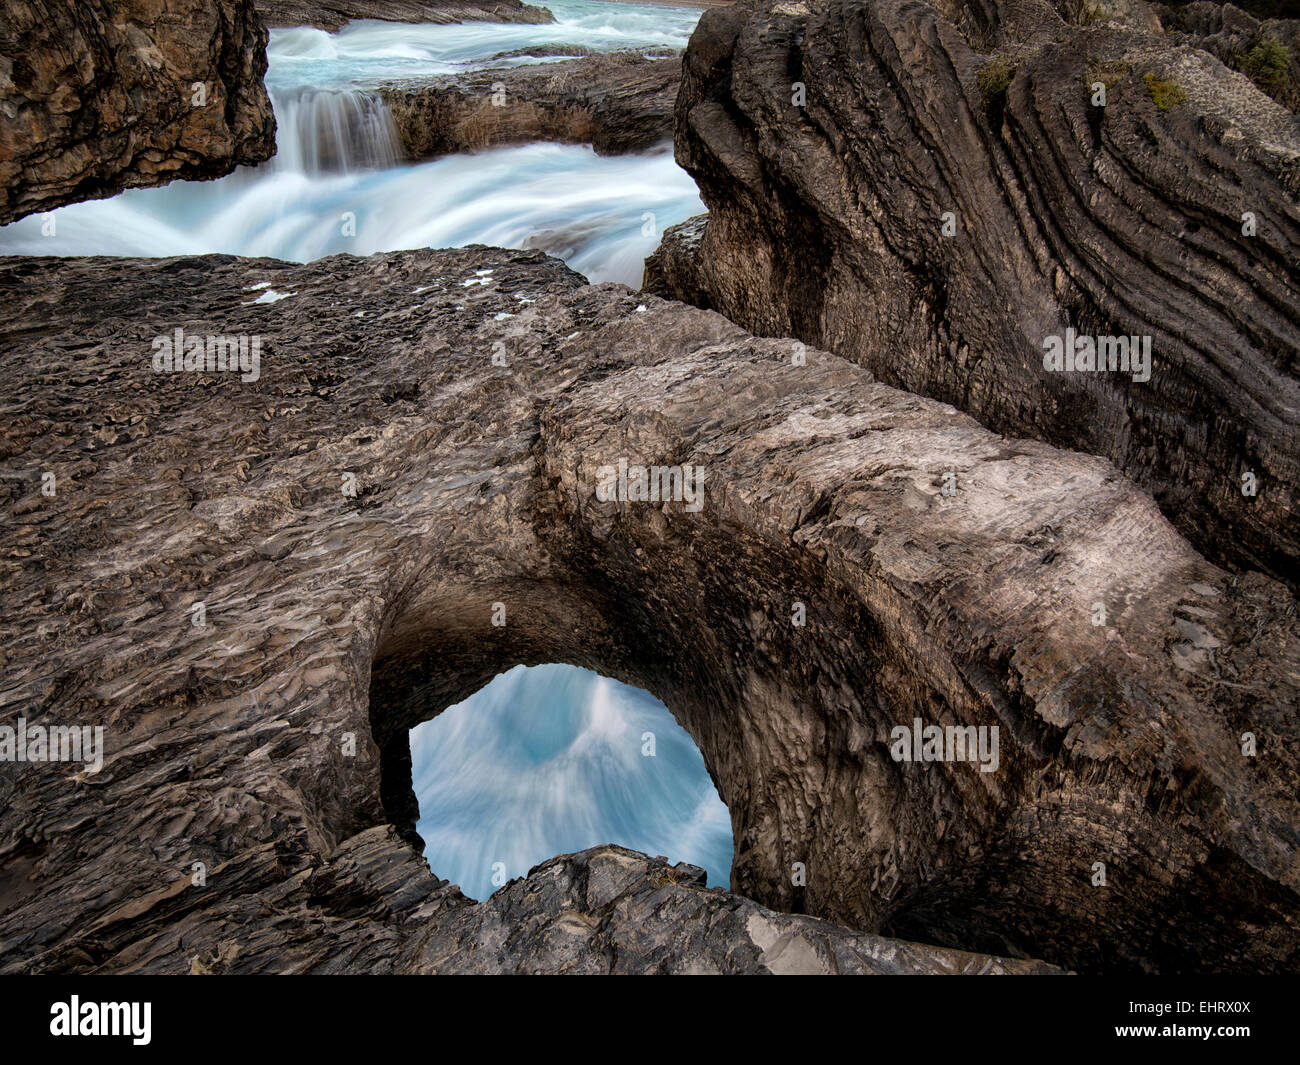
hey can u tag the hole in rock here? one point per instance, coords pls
(553, 759)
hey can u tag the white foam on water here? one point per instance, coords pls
(365, 52)
(337, 183)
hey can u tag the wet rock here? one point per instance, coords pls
(257, 581)
(97, 97)
(617, 102)
(936, 189)
(545, 51)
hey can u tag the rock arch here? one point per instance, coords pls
(334, 612)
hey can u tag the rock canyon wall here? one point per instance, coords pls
(935, 189)
(99, 96)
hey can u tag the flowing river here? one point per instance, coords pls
(554, 759)
(337, 183)
(542, 761)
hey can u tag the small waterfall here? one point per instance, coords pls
(339, 181)
(323, 131)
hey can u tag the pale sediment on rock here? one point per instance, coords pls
(1266, 50)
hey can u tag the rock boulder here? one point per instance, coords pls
(617, 102)
(941, 191)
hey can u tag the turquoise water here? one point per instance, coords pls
(542, 761)
(366, 53)
(337, 183)
(549, 760)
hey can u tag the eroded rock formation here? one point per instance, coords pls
(333, 15)
(256, 587)
(99, 96)
(951, 193)
(617, 102)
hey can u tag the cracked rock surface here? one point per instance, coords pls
(347, 519)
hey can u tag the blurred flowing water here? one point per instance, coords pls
(549, 760)
(367, 52)
(337, 183)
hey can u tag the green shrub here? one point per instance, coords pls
(994, 77)
(1266, 64)
(1166, 94)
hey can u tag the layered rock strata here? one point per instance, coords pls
(257, 580)
(943, 191)
(333, 15)
(617, 102)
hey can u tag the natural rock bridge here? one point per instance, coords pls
(348, 520)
